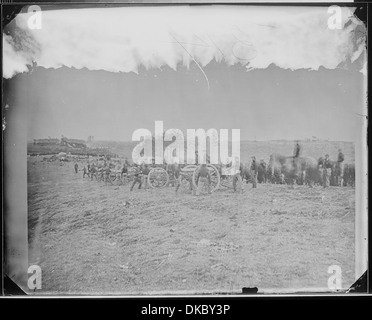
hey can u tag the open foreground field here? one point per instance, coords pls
(89, 238)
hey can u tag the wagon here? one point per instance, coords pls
(188, 176)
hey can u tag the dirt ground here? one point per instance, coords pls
(92, 238)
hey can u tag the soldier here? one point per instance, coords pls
(177, 172)
(93, 171)
(296, 155)
(340, 165)
(137, 178)
(124, 172)
(107, 172)
(262, 171)
(145, 174)
(88, 167)
(238, 170)
(203, 179)
(254, 171)
(85, 172)
(327, 171)
(320, 162)
(225, 168)
(170, 170)
(297, 150)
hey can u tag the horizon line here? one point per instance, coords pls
(241, 140)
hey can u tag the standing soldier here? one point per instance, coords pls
(145, 174)
(327, 171)
(296, 155)
(254, 171)
(262, 168)
(124, 172)
(238, 170)
(76, 167)
(297, 150)
(340, 165)
(88, 167)
(173, 174)
(170, 170)
(85, 171)
(93, 171)
(225, 168)
(107, 173)
(177, 172)
(137, 178)
(203, 179)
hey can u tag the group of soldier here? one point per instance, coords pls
(140, 173)
(235, 168)
(327, 172)
(326, 166)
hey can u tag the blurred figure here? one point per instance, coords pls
(177, 172)
(340, 167)
(262, 172)
(237, 177)
(93, 171)
(297, 150)
(254, 172)
(124, 172)
(203, 180)
(107, 173)
(137, 177)
(145, 174)
(76, 166)
(296, 155)
(170, 168)
(85, 172)
(327, 170)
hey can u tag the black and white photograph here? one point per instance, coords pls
(167, 150)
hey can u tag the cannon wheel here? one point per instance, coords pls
(215, 177)
(158, 178)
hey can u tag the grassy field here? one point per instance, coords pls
(92, 238)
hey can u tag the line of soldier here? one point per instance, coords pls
(203, 179)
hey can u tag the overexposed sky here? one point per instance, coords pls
(122, 39)
(273, 72)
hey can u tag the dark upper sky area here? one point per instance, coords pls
(264, 104)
